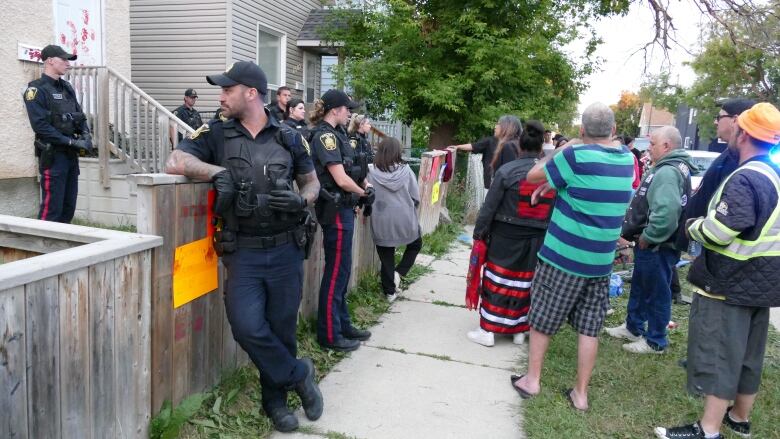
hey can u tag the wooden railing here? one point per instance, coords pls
(126, 122)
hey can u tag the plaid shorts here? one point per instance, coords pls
(557, 296)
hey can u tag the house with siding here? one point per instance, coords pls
(175, 44)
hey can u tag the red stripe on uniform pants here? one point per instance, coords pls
(524, 275)
(505, 312)
(333, 277)
(493, 288)
(46, 193)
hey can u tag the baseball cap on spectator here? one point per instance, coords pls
(243, 72)
(53, 50)
(336, 98)
(190, 93)
(761, 122)
(735, 107)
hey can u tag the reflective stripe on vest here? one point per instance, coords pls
(768, 241)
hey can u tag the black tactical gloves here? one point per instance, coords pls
(286, 201)
(226, 191)
(368, 198)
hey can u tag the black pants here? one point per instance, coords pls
(387, 258)
(59, 188)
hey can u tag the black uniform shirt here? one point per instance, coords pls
(298, 125)
(276, 112)
(189, 116)
(207, 143)
(328, 144)
(485, 146)
(39, 107)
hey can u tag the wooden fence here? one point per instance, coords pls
(74, 330)
(430, 208)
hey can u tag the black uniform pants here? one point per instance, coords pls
(59, 188)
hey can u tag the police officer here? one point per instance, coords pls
(61, 132)
(295, 117)
(187, 112)
(342, 190)
(252, 161)
(359, 127)
(279, 105)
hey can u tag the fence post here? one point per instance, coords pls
(101, 132)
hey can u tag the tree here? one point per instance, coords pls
(627, 111)
(740, 60)
(457, 65)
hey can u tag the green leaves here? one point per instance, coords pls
(168, 422)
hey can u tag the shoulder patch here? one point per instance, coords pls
(30, 93)
(722, 208)
(306, 145)
(353, 143)
(328, 141)
(203, 129)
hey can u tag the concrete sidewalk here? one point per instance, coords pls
(418, 376)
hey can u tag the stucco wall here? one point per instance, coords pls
(31, 22)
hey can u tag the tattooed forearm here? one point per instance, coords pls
(182, 163)
(308, 186)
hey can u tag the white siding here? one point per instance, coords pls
(286, 16)
(175, 44)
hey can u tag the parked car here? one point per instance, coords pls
(702, 160)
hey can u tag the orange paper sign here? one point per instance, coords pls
(194, 271)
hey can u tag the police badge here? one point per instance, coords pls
(353, 143)
(328, 141)
(30, 93)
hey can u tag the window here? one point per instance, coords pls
(328, 78)
(272, 54)
(309, 77)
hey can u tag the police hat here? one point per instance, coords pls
(54, 51)
(336, 98)
(242, 72)
(190, 93)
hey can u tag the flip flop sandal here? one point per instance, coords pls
(567, 394)
(523, 394)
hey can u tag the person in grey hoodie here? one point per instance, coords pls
(394, 218)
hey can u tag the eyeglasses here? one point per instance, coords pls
(721, 116)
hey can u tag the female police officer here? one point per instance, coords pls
(342, 189)
(252, 159)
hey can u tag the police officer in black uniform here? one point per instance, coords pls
(342, 190)
(262, 234)
(359, 127)
(187, 112)
(61, 132)
(295, 117)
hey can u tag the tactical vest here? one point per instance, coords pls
(257, 169)
(363, 156)
(351, 168)
(768, 241)
(638, 212)
(63, 107)
(516, 208)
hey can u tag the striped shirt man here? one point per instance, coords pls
(594, 189)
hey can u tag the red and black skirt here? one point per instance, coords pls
(507, 277)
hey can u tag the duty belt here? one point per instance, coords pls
(262, 242)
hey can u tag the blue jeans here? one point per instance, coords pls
(262, 297)
(332, 313)
(650, 301)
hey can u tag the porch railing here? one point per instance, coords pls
(126, 122)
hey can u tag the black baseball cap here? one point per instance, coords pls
(735, 107)
(336, 98)
(190, 93)
(242, 72)
(54, 51)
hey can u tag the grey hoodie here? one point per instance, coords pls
(394, 217)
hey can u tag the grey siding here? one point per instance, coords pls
(175, 44)
(286, 16)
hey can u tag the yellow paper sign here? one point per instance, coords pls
(435, 192)
(194, 271)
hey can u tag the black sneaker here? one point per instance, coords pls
(309, 392)
(692, 431)
(356, 334)
(283, 418)
(741, 429)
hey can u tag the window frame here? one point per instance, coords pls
(310, 57)
(282, 52)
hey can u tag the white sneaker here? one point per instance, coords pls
(397, 279)
(518, 338)
(640, 347)
(480, 336)
(622, 333)
(391, 297)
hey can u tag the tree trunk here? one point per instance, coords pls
(441, 136)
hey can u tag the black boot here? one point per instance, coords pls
(354, 333)
(283, 418)
(309, 392)
(341, 345)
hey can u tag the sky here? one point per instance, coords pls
(623, 67)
